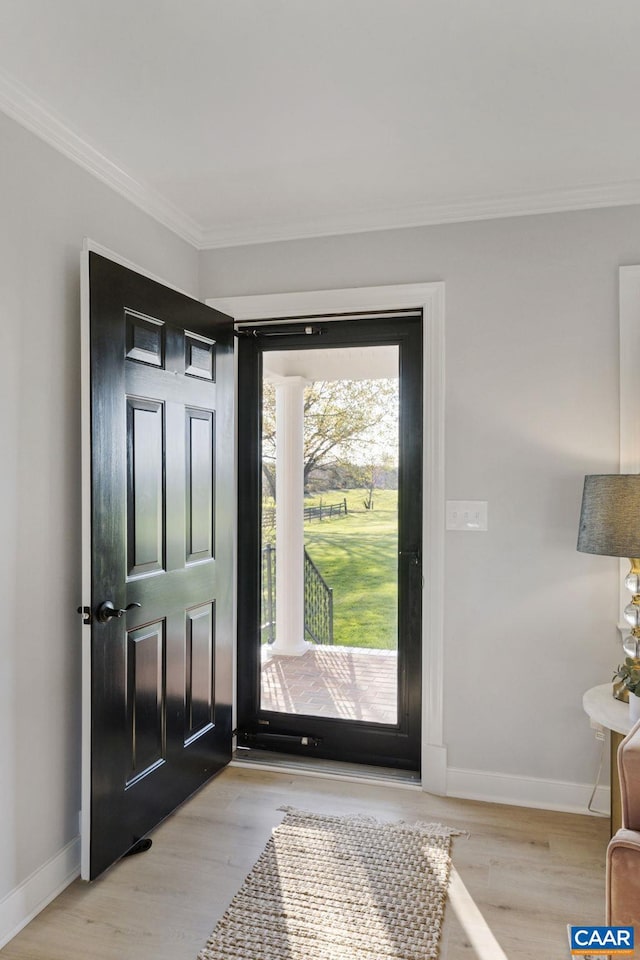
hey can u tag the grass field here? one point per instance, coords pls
(358, 557)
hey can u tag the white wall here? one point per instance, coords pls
(47, 206)
(532, 405)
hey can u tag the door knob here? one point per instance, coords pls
(106, 611)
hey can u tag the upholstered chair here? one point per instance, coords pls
(623, 853)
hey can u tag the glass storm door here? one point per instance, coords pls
(330, 527)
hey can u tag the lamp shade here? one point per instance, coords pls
(610, 515)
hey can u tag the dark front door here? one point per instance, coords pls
(161, 555)
(346, 683)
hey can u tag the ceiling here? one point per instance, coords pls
(340, 363)
(239, 121)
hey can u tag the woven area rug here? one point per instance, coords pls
(340, 888)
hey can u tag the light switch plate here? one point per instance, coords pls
(467, 515)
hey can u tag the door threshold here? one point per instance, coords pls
(329, 769)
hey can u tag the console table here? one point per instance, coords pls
(606, 713)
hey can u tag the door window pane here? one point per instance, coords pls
(329, 615)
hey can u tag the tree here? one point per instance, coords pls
(353, 421)
(371, 476)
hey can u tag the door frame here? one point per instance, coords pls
(629, 324)
(430, 298)
(92, 246)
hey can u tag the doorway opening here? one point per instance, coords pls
(330, 492)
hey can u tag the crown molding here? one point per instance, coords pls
(423, 214)
(21, 105)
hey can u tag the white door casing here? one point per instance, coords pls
(629, 319)
(430, 298)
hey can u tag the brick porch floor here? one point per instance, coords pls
(348, 683)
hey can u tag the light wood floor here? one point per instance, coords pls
(520, 875)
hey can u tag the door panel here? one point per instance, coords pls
(200, 477)
(200, 669)
(146, 698)
(161, 468)
(145, 488)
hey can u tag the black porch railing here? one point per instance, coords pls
(318, 600)
(318, 604)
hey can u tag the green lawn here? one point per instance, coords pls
(358, 557)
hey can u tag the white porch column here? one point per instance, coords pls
(289, 639)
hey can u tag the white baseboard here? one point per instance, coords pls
(22, 904)
(526, 791)
(434, 769)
